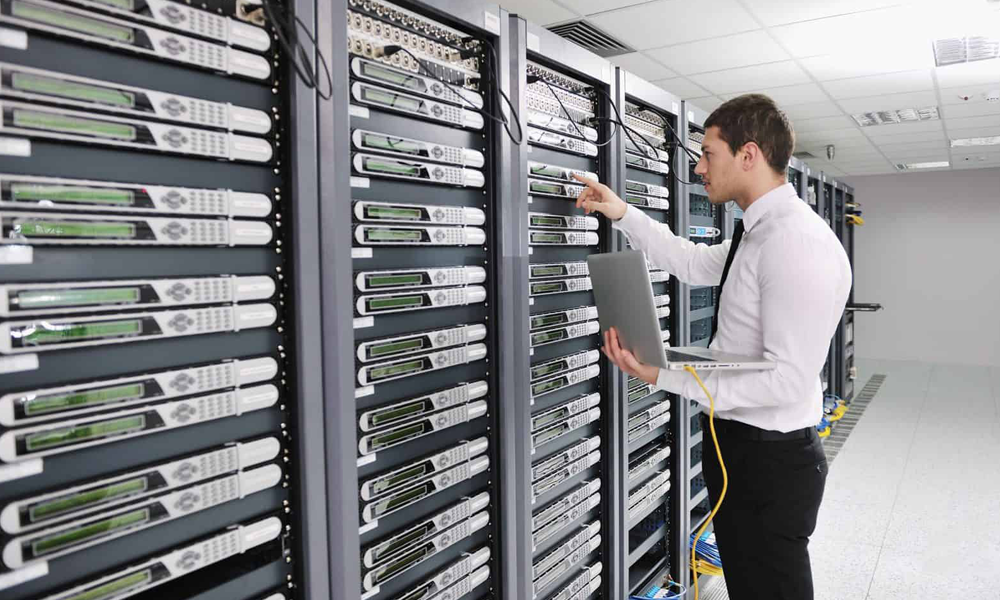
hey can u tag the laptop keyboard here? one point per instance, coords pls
(674, 356)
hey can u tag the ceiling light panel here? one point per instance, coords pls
(959, 50)
(941, 164)
(992, 140)
(895, 117)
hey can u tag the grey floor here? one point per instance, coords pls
(912, 504)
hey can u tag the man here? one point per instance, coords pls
(785, 280)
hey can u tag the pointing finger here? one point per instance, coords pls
(590, 183)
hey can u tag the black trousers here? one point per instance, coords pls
(770, 510)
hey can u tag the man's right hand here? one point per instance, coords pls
(599, 197)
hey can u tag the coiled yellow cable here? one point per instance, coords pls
(725, 476)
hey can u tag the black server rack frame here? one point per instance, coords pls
(564, 65)
(825, 209)
(162, 95)
(400, 120)
(850, 372)
(654, 538)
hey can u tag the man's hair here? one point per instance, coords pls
(756, 118)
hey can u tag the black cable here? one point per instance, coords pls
(391, 49)
(288, 39)
(499, 91)
(534, 78)
(677, 143)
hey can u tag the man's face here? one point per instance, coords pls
(718, 168)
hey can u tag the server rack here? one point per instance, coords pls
(569, 552)
(428, 169)
(655, 544)
(845, 331)
(157, 202)
(825, 209)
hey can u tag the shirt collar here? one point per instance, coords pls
(765, 203)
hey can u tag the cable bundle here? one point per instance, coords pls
(707, 559)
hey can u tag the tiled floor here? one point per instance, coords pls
(912, 505)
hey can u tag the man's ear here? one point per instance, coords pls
(751, 155)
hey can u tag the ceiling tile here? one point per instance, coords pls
(679, 86)
(707, 103)
(861, 64)
(651, 24)
(824, 124)
(881, 131)
(752, 78)
(813, 110)
(889, 102)
(972, 122)
(643, 66)
(543, 12)
(974, 109)
(779, 12)
(896, 135)
(983, 72)
(955, 133)
(919, 157)
(964, 150)
(589, 7)
(918, 146)
(837, 135)
(974, 93)
(740, 50)
(790, 95)
(856, 33)
(889, 83)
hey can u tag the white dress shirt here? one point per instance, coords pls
(783, 299)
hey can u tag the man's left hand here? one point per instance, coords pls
(627, 361)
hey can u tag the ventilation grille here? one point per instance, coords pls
(804, 155)
(953, 51)
(584, 34)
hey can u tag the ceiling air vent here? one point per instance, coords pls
(584, 34)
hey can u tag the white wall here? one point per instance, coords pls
(930, 254)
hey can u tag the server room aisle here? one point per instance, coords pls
(912, 502)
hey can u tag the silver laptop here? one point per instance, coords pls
(624, 297)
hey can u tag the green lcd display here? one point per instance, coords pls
(405, 498)
(384, 281)
(546, 188)
(634, 187)
(394, 303)
(544, 320)
(388, 439)
(85, 499)
(50, 86)
(115, 587)
(393, 235)
(635, 200)
(41, 405)
(80, 535)
(546, 436)
(392, 144)
(402, 541)
(376, 71)
(543, 370)
(72, 22)
(547, 221)
(385, 417)
(30, 192)
(54, 438)
(40, 228)
(546, 170)
(547, 419)
(402, 564)
(547, 271)
(547, 336)
(37, 335)
(400, 369)
(390, 99)
(396, 347)
(393, 212)
(421, 593)
(549, 238)
(401, 478)
(124, 4)
(543, 288)
(541, 388)
(638, 394)
(75, 297)
(73, 125)
(392, 168)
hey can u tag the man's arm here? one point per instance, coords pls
(695, 264)
(799, 299)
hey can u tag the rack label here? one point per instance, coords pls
(18, 364)
(492, 22)
(12, 38)
(15, 146)
(17, 255)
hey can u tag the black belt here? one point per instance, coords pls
(742, 431)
